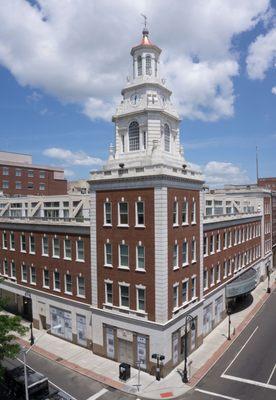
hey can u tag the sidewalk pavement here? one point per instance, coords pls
(106, 371)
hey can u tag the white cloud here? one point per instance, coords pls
(78, 51)
(69, 173)
(261, 55)
(221, 173)
(72, 158)
(273, 90)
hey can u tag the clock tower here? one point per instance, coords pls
(146, 123)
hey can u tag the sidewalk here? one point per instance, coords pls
(106, 371)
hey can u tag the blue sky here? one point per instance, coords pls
(39, 110)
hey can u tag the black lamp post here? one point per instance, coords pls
(158, 358)
(188, 319)
(32, 339)
(268, 290)
(228, 311)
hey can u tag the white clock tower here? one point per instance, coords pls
(146, 123)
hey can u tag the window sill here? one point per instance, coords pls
(107, 225)
(140, 226)
(4, 248)
(55, 256)
(218, 281)
(175, 268)
(67, 258)
(108, 265)
(45, 255)
(124, 268)
(57, 290)
(206, 255)
(32, 253)
(140, 270)
(204, 289)
(23, 251)
(81, 296)
(46, 287)
(185, 223)
(212, 284)
(68, 293)
(12, 249)
(22, 280)
(123, 226)
(175, 225)
(78, 260)
(193, 261)
(33, 283)
(193, 223)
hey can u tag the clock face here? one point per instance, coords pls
(135, 99)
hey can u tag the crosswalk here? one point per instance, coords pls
(98, 394)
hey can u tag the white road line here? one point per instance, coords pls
(249, 381)
(51, 383)
(272, 372)
(97, 395)
(216, 394)
(236, 356)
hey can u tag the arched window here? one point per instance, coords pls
(148, 65)
(133, 136)
(139, 65)
(167, 138)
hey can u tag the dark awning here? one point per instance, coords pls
(243, 284)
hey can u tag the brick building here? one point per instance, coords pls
(146, 247)
(19, 177)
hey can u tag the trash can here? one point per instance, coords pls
(124, 372)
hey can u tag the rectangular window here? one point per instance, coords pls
(229, 267)
(46, 278)
(33, 275)
(5, 171)
(81, 286)
(4, 240)
(42, 174)
(212, 244)
(80, 250)
(205, 279)
(205, 246)
(175, 256)
(140, 257)
(193, 214)
(30, 173)
(123, 213)
(24, 273)
(56, 248)
(18, 185)
(218, 273)
(32, 244)
(184, 253)
(140, 217)
(193, 253)
(18, 172)
(123, 257)
(212, 278)
(175, 296)
(45, 246)
(13, 269)
(57, 281)
(218, 242)
(6, 267)
(184, 292)
(224, 240)
(193, 287)
(68, 283)
(42, 186)
(30, 185)
(124, 296)
(225, 269)
(5, 184)
(67, 249)
(23, 246)
(107, 213)
(175, 213)
(185, 212)
(108, 293)
(108, 254)
(141, 299)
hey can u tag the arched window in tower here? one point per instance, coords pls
(133, 136)
(167, 138)
(139, 65)
(148, 65)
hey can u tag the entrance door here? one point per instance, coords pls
(125, 351)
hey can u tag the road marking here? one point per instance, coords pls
(216, 394)
(51, 383)
(249, 381)
(270, 376)
(236, 356)
(97, 395)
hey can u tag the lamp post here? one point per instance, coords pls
(268, 290)
(188, 319)
(228, 311)
(158, 358)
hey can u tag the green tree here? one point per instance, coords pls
(10, 328)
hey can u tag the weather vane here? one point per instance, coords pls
(145, 18)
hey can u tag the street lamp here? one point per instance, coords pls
(26, 351)
(158, 358)
(268, 290)
(228, 311)
(188, 319)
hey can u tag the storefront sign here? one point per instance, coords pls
(125, 335)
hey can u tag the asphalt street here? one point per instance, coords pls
(73, 383)
(247, 370)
